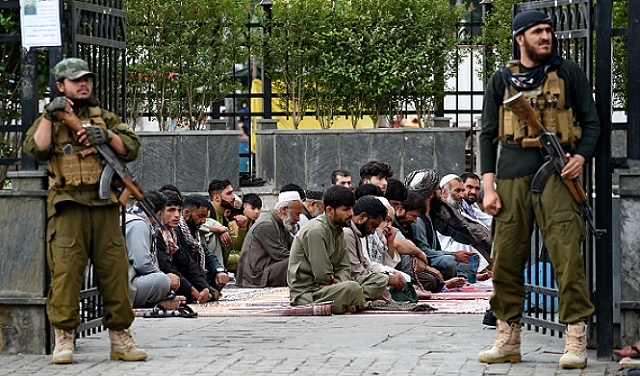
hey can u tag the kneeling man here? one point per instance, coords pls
(319, 266)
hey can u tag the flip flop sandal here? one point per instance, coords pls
(184, 311)
(628, 352)
(156, 312)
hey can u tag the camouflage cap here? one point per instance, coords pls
(72, 68)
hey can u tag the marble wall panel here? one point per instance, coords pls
(418, 151)
(355, 150)
(450, 152)
(321, 159)
(191, 158)
(388, 147)
(291, 151)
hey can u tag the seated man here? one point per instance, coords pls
(341, 177)
(319, 268)
(377, 173)
(426, 182)
(172, 259)
(472, 198)
(251, 208)
(194, 214)
(265, 252)
(148, 285)
(368, 213)
(234, 225)
(431, 278)
(290, 187)
(313, 206)
(453, 193)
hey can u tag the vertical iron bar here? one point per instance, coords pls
(604, 262)
(28, 98)
(633, 96)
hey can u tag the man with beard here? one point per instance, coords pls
(82, 226)
(562, 94)
(450, 264)
(430, 277)
(368, 213)
(228, 238)
(179, 260)
(194, 214)
(319, 268)
(453, 195)
(313, 206)
(265, 252)
(470, 206)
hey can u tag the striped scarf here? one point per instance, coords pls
(194, 243)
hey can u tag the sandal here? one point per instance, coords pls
(184, 311)
(632, 352)
(156, 312)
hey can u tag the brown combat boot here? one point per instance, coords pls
(124, 348)
(63, 352)
(506, 348)
(575, 351)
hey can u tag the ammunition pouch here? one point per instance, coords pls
(70, 170)
(548, 102)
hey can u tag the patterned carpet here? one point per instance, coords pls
(237, 302)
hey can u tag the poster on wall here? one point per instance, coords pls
(40, 23)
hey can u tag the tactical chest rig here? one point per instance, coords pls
(70, 170)
(548, 102)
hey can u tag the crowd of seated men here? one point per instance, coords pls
(385, 240)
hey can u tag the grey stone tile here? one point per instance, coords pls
(450, 152)
(322, 160)
(290, 156)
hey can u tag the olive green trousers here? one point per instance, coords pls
(563, 230)
(75, 234)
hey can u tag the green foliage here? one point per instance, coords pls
(179, 54)
(497, 40)
(292, 50)
(362, 56)
(620, 61)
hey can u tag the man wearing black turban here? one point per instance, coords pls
(562, 97)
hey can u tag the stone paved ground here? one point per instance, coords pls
(434, 344)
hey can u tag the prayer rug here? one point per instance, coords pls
(238, 302)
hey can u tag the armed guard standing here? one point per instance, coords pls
(561, 96)
(82, 226)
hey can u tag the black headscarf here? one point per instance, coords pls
(536, 77)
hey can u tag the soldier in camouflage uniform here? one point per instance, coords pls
(80, 225)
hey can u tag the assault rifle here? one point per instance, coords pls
(555, 157)
(112, 166)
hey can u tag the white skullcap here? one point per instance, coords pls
(447, 178)
(237, 202)
(289, 196)
(384, 200)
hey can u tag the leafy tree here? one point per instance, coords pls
(179, 54)
(293, 50)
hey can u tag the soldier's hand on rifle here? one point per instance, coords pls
(573, 169)
(57, 104)
(96, 135)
